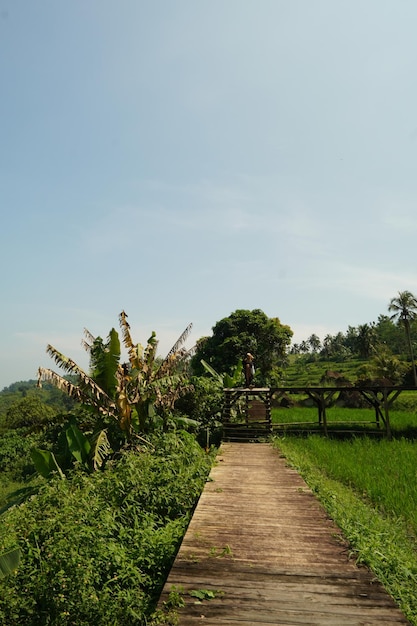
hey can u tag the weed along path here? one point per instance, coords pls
(261, 550)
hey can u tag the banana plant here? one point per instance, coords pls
(90, 453)
(151, 386)
(226, 380)
(127, 394)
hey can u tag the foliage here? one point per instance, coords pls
(357, 342)
(385, 365)
(95, 549)
(391, 335)
(404, 310)
(15, 449)
(335, 348)
(29, 413)
(9, 562)
(49, 395)
(302, 370)
(124, 394)
(204, 405)
(244, 331)
(227, 381)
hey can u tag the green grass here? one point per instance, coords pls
(402, 422)
(302, 372)
(8, 486)
(368, 487)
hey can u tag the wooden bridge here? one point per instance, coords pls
(261, 550)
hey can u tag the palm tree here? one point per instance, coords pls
(404, 308)
(365, 340)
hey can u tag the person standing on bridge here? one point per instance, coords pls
(249, 369)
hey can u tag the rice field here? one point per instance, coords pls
(368, 485)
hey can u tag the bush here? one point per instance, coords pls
(29, 413)
(96, 548)
(204, 404)
(15, 459)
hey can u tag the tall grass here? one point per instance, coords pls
(400, 420)
(367, 486)
(383, 472)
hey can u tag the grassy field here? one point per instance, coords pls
(367, 485)
(366, 482)
(403, 422)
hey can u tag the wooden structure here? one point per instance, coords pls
(380, 398)
(252, 406)
(260, 550)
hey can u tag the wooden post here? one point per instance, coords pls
(268, 409)
(386, 413)
(322, 401)
(227, 407)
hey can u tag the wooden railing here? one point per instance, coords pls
(379, 397)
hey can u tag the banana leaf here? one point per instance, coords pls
(78, 444)
(100, 449)
(9, 561)
(45, 463)
(212, 371)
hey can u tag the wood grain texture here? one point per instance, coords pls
(261, 540)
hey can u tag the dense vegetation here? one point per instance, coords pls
(114, 476)
(245, 331)
(96, 548)
(96, 539)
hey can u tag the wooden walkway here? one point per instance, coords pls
(262, 545)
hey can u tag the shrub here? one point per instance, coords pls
(15, 448)
(96, 548)
(29, 413)
(204, 404)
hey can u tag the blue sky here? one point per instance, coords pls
(182, 159)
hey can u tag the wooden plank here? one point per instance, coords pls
(261, 540)
(256, 410)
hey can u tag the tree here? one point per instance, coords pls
(29, 413)
(314, 343)
(385, 366)
(125, 394)
(365, 340)
(334, 348)
(244, 331)
(390, 334)
(404, 309)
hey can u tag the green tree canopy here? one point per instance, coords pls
(404, 310)
(30, 413)
(244, 331)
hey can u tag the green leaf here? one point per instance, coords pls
(45, 463)
(204, 594)
(9, 561)
(211, 371)
(101, 449)
(185, 422)
(78, 444)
